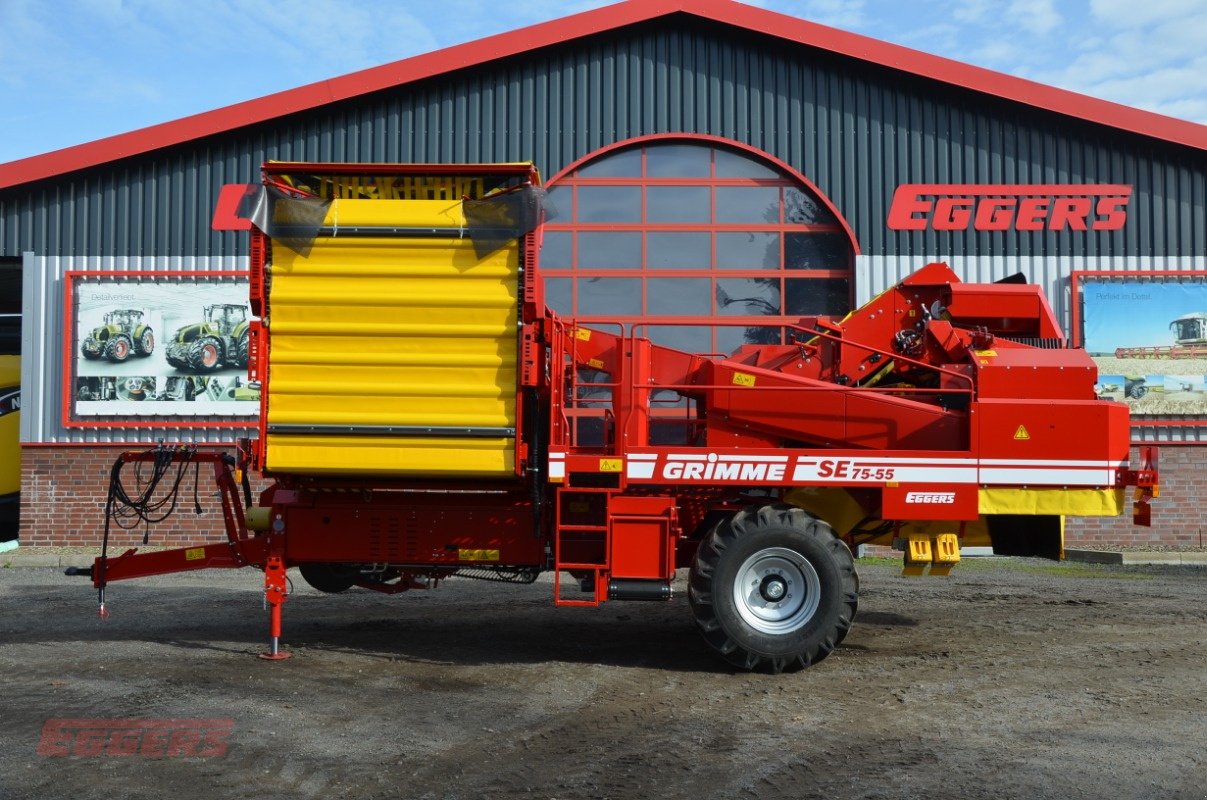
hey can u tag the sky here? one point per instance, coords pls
(72, 71)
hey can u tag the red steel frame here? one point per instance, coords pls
(71, 346)
(1077, 277)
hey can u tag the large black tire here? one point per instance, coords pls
(205, 355)
(118, 348)
(241, 351)
(144, 345)
(91, 355)
(773, 587)
(329, 578)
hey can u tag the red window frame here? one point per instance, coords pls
(788, 179)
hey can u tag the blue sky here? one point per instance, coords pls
(76, 70)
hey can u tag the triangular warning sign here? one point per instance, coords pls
(1021, 434)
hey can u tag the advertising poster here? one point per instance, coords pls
(1149, 339)
(173, 348)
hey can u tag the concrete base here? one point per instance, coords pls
(1137, 557)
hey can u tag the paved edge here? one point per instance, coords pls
(1137, 557)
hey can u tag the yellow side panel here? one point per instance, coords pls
(384, 456)
(1053, 502)
(10, 439)
(393, 332)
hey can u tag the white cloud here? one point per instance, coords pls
(1036, 16)
(1130, 13)
(835, 13)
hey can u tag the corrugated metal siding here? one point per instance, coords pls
(855, 130)
(43, 329)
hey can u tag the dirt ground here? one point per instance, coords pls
(1012, 678)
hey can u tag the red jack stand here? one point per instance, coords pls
(275, 594)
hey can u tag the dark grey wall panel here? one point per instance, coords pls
(857, 131)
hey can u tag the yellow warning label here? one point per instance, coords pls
(194, 554)
(1021, 434)
(595, 363)
(477, 555)
(913, 312)
(743, 379)
(582, 334)
(985, 352)
(611, 465)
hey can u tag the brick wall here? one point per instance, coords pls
(1179, 514)
(63, 492)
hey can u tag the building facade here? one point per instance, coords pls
(715, 169)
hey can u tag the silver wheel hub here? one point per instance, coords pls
(777, 591)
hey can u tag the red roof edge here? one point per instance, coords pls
(611, 17)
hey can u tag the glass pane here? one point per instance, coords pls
(803, 209)
(745, 297)
(677, 251)
(562, 200)
(557, 295)
(593, 389)
(598, 250)
(625, 164)
(748, 250)
(731, 164)
(677, 204)
(748, 204)
(609, 204)
(677, 161)
(610, 297)
(731, 337)
(555, 250)
(692, 338)
(816, 251)
(809, 297)
(677, 296)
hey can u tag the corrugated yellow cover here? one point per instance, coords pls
(393, 331)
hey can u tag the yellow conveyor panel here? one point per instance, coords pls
(392, 355)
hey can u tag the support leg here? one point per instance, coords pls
(274, 594)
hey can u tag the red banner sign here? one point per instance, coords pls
(1005, 207)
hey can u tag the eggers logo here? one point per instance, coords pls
(932, 498)
(1004, 207)
(191, 738)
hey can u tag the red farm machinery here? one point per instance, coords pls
(424, 416)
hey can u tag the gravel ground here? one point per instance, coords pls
(1012, 678)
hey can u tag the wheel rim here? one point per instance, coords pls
(777, 591)
(119, 349)
(148, 341)
(209, 355)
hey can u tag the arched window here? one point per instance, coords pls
(686, 231)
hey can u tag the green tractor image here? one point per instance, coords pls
(219, 340)
(123, 334)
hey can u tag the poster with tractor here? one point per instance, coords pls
(1149, 340)
(171, 346)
